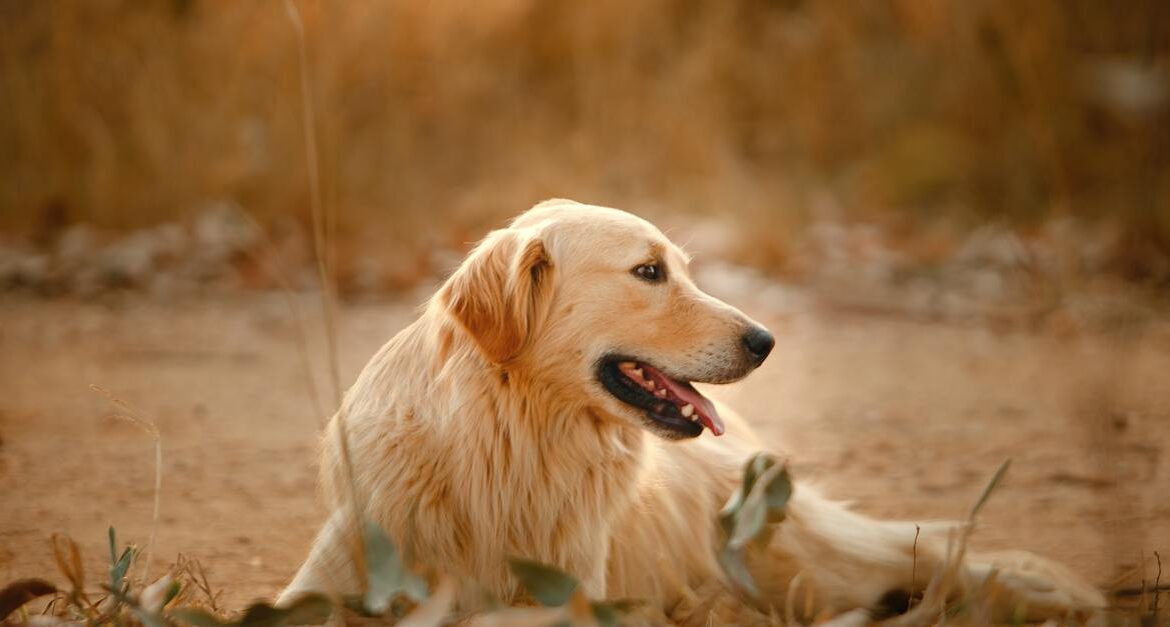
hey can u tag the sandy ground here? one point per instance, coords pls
(905, 417)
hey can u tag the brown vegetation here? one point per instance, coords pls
(435, 120)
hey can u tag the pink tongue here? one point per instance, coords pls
(688, 394)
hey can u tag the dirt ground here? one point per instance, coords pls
(906, 417)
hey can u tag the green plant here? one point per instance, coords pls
(759, 500)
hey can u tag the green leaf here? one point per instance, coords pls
(609, 613)
(119, 569)
(312, 609)
(605, 615)
(759, 463)
(119, 566)
(767, 499)
(777, 491)
(386, 576)
(732, 562)
(549, 586)
(172, 591)
(730, 511)
(761, 498)
(749, 521)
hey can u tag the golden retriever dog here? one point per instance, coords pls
(542, 407)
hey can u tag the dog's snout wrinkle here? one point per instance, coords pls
(759, 343)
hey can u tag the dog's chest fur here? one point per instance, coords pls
(490, 470)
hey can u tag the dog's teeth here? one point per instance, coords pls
(660, 394)
(687, 410)
(695, 418)
(629, 365)
(637, 372)
(649, 385)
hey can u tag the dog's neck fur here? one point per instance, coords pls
(476, 504)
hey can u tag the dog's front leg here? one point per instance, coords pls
(830, 559)
(329, 568)
(847, 561)
(1023, 585)
(594, 582)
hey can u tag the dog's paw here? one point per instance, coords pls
(1028, 586)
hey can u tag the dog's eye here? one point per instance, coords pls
(651, 272)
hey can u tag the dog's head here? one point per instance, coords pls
(595, 306)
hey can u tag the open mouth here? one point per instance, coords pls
(672, 405)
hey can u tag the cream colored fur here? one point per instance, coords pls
(480, 432)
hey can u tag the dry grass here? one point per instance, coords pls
(129, 414)
(396, 596)
(436, 120)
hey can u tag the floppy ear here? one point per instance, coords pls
(500, 292)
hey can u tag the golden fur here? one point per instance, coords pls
(480, 432)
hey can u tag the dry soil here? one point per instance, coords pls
(905, 417)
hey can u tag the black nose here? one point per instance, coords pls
(759, 343)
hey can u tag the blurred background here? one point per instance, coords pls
(923, 121)
(955, 214)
